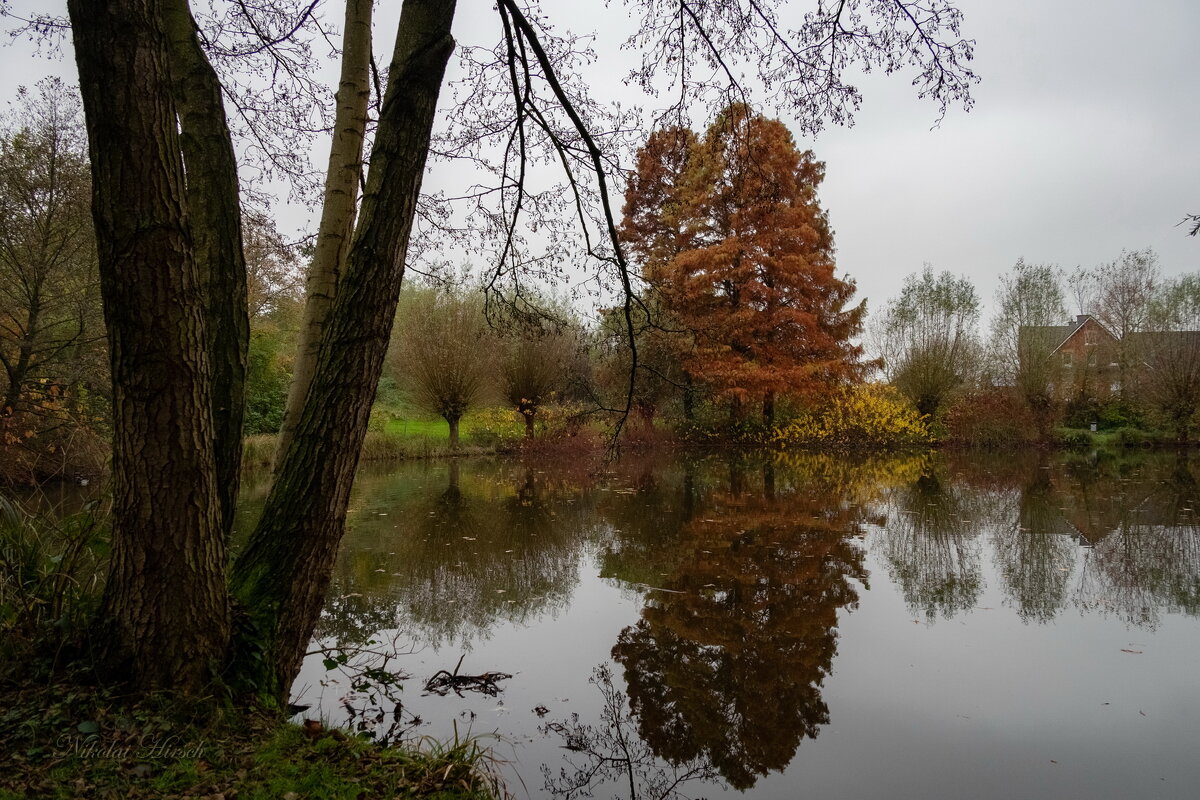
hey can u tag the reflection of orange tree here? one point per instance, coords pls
(727, 661)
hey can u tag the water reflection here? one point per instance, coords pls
(449, 554)
(1036, 549)
(932, 544)
(611, 752)
(1111, 536)
(725, 665)
(738, 572)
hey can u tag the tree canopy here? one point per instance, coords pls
(928, 338)
(732, 238)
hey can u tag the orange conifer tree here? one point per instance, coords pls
(731, 236)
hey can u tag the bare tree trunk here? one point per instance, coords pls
(338, 211)
(453, 423)
(282, 575)
(689, 398)
(18, 372)
(164, 616)
(214, 206)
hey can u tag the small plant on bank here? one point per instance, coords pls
(869, 415)
(49, 574)
(991, 419)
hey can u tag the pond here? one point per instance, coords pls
(770, 626)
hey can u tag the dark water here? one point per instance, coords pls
(919, 627)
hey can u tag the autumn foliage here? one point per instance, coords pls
(739, 254)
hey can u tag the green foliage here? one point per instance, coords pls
(1134, 437)
(493, 426)
(49, 574)
(267, 380)
(869, 415)
(927, 338)
(1117, 414)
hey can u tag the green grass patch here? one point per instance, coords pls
(1127, 437)
(434, 429)
(483, 432)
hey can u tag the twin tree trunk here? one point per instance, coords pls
(159, 147)
(165, 613)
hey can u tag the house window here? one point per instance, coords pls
(1066, 359)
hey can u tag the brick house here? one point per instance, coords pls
(1083, 357)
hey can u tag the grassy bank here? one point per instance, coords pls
(378, 446)
(61, 736)
(391, 439)
(70, 742)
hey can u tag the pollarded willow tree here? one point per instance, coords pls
(927, 337)
(733, 240)
(534, 366)
(444, 352)
(165, 205)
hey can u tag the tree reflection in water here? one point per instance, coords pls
(725, 665)
(451, 552)
(1143, 559)
(742, 566)
(932, 547)
(612, 752)
(1111, 535)
(1035, 550)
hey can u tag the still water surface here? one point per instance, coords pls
(921, 626)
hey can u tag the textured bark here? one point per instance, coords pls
(282, 575)
(337, 213)
(215, 210)
(164, 616)
(453, 423)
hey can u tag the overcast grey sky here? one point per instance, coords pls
(1082, 141)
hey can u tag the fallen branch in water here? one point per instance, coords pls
(444, 682)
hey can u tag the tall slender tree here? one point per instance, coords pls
(1123, 292)
(342, 178)
(49, 304)
(1031, 308)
